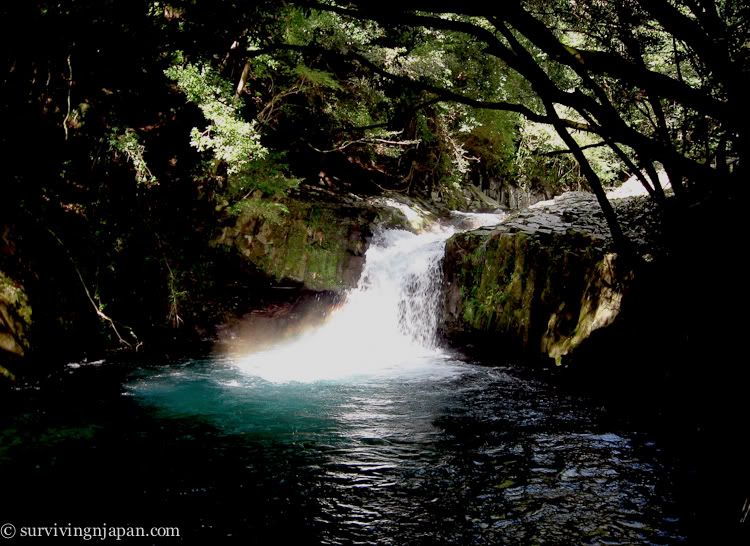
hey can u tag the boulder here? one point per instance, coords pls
(15, 321)
(319, 244)
(541, 283)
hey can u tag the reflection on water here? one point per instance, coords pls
(474, 456)
(361, 432)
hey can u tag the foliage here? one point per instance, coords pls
(233, 140)
(543, 158)
(318, 78)
(268, 175)
(128, 144)
(494, 140)
(235, 143)
(659, 83)
(349, 95)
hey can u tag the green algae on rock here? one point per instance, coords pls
(15, 319)
(321, 241)
(316, 244)
(540, 284)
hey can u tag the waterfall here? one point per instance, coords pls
(400, 286)
(386, 325)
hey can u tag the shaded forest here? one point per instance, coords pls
(148, 145)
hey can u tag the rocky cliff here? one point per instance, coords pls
(545, 280)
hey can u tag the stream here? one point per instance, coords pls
(362, 430)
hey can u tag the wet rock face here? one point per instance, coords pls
(541, 282)
(318, 245)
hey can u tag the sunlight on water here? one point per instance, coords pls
(386, 326)
(361, 432)
(366, 423)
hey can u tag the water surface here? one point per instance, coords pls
(360, 431)
(450, 454)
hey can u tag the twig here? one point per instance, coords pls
(96, 307)
(383, 141)
(569, 151)
(70, 89)
(266, 115)
(174, 315)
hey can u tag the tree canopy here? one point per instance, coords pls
(185, 114)
(660, 84)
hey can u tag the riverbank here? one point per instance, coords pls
(543, 289)
(656, 341)
(56, 304)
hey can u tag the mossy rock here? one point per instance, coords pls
(15, 320)
(539, 295)
(318, 244)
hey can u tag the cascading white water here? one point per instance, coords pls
(402, 280)
(387, 325)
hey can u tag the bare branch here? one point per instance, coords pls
(70, 90)
(97, 308)
(368, 140)
(243, 79)
(441, 94)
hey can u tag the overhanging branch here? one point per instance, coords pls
(441, 94)
(569, 151)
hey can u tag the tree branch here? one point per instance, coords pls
(620, 241)
(97, 309)
(569, 151)
(70, 90)
(442, 94)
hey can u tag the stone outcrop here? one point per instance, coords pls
(510, 194)
(544, 280)
(15, 320)
(320, 243)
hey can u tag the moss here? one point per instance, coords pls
(539, 294)
(453, 197)
(313, 245)
(4, 372)
(497, 283)
(15, 318)
(505, 484)
(389, 217)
